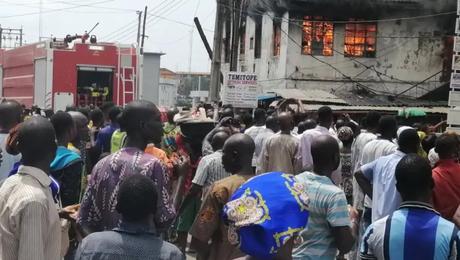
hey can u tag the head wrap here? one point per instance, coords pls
(345, 133)
(265, 213)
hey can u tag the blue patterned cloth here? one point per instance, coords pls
(266, 212)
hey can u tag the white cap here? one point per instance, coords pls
(402, 129)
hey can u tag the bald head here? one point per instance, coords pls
(141, 118)
(325, 154)
(218, 140)
(272, 123)
(237, 153)
(286, 122)
(81, 124)
(37, 142)
(10, 114)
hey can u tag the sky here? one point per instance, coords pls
(169, 26)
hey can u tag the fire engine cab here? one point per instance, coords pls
(55, 74)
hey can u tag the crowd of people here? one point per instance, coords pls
(130, 183)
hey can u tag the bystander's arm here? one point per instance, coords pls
(364, 183)
(194, 191)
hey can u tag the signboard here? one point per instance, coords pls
(240, 90)
(456, 62)
(457, 44)
(455, 80)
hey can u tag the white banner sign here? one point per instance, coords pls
(240, 90)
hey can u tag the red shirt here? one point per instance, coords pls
(446, 194)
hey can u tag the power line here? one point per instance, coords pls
(129, 31)
(348, 57)
(328, 64)
(344, 21)
(55, 10)
(171, 7)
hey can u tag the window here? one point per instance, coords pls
(318, 36)
(276, 38)
(243, 37)
(258, 40)
(227, 50)
(251, 43)
(360, 40)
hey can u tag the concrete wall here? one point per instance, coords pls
(408, 51)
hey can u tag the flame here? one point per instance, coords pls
(318, 37)
(360, 39)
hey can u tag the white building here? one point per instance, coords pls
(169, 84)
(393, 48)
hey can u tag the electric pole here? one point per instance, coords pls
(236, 15)
(143, 30)
(139, 17)
(217, 53)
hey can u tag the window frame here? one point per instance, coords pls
(315, 23)
(353, 33)
(276, 38)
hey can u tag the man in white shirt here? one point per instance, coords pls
(10, 116)
(260, 116)
(325, 121)
(281, 150)
(371, 125)
(272, 127)
(377, 178)
(29, 220)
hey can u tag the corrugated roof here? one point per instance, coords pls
(313, 95)
(441, 110)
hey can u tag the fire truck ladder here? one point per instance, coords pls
(127, 76)
(128, 83)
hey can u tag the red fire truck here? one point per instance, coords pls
(54, 74)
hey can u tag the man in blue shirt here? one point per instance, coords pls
(135, 237)
(104, 136)
(377, 178)
(415, 230)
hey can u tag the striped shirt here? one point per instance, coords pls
(415, 231)
(29, 221)
(328, 208)
(210, 170)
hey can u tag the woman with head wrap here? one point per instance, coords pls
(266, 214)
(345, 135)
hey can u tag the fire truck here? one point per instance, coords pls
(58, 73)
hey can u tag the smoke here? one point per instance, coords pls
(366, 7)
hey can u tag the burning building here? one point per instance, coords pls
(396, 48)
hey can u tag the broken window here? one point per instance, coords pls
(276, 38)
(360, 40)
(318, 36)
(258, 39)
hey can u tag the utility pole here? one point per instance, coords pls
(40, 22)
(236, 15)
(203, 37)
(143, 30)
(139, 17)
(217, 53)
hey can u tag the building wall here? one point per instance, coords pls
(168, 92)
(408, 51)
